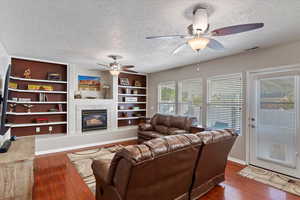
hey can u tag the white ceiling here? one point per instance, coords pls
(84, 32)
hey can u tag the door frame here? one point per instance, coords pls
(249, 89)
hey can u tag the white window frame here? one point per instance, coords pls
(177, 95)
(159, 95)
(226, 76)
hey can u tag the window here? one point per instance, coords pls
(225, 102)
(167, 97)
(182, 98)
(190, 98)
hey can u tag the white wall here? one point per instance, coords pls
(75, 138)
(287, 54)
(4, 62)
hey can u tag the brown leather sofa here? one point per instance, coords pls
(162, 125)
(177, 167)
(161, 169)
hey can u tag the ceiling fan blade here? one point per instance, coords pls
(236, 29)
(127, 66)
(128, 70)
(166, 37)
(214, 44)
(103, 65)
(175, 51)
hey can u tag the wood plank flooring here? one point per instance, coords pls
(57, 179)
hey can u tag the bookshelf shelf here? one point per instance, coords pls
(34, 124)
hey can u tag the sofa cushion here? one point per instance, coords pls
(176, 131)
(150, 134)
(145, 127)
(162, 129)
(178, 122)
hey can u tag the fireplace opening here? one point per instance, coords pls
(94, 120)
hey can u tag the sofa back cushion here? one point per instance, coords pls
(181, 122)
(213, 158)
(157, 169)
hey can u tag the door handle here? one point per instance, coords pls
(252, 126)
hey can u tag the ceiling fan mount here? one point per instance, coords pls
(115, 57)
(199, 36)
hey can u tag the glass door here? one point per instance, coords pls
(274, 123)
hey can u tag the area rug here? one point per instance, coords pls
(274, 179)
(83, 160)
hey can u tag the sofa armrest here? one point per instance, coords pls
(145, 127)
(101, 167)
(196, 129)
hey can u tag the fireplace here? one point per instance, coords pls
(94, 120)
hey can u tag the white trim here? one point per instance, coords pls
(35, 113)
(276, 69)
(37, 102)
(84, 146)
(133, 95)
(248, 115)
(38, 60)
(134, 102)
(132, 110)
(37, 80)
(236, 160)
(131, 87)
(125, 118)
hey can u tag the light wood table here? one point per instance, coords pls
(16, 170)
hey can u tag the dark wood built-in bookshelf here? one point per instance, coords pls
(128, 116)
(22, 122)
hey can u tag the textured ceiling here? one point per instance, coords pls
(84, 32)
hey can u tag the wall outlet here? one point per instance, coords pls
(37, 129)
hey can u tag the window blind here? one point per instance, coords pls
(167, 97)
(225, 101)
(190, 98)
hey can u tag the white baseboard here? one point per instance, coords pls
(236, 160)
(84, 146)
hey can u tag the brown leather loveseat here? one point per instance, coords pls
(162, 125)
(174, 167)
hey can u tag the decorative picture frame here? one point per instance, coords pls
(89, 83)
(124, 81)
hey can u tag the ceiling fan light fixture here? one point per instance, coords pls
(114, 72)
(198, 43)
(115, 69)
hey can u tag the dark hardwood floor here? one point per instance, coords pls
(57, 179)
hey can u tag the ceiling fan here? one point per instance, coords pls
(199, 36)
(115, 67)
